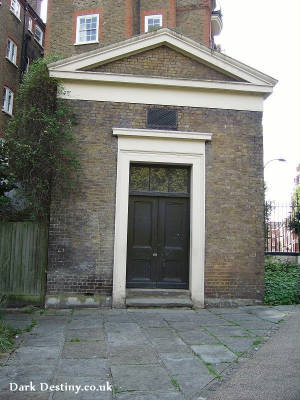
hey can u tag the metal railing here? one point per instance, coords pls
(282, 229)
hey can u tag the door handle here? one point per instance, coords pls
(154, 254)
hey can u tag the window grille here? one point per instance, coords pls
(161, 118)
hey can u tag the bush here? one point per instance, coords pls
(282, 283)
(7, 335)
(39, 144)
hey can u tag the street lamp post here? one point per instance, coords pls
(274, 159)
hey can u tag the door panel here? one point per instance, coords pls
(158, 242)
(141, 236)
(173, 238)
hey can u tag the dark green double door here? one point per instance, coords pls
(158, 242)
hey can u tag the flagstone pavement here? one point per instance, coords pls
(134, 354)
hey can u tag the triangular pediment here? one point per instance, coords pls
(162, 61)
(163, 53)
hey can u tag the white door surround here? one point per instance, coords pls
(163, 147)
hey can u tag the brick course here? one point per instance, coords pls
(163, 61)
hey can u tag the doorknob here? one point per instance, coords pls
(154, 254)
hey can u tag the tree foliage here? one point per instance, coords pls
(6, 177)
(39, 140)
(295, 217)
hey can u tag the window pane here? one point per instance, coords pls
(139, 178)
(178, 182)
(158, 180)
(8, 49)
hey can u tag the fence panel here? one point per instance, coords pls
(23, 261)
(282, 229)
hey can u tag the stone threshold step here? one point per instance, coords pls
(174, 293)
(158, 301)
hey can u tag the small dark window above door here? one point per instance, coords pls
(161, 118)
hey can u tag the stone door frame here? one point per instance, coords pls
(161, 147)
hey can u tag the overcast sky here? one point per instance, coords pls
(265, 34)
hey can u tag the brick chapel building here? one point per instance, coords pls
(169, 138)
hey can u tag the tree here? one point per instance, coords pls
(294, 223)
(6, 178)
(39, 140)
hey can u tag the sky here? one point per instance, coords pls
(265, 34)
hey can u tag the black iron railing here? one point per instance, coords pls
(282, 228)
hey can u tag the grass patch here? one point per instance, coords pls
(256, 342)
(175, 384)
(282, 283)
(75, 340)
(212, 370)
(7, 336)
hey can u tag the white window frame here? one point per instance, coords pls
(8, 100)
(78, 29)
(38, 39)
(147, 17)
(15, 8)
(30, 24)
(11, 51)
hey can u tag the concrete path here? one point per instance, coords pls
(273, 373)
(132, 354)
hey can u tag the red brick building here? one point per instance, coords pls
(170, 143)
(21, 41)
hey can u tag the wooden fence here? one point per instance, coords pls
(23, 262)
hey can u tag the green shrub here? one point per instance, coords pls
(282, 283)
(39, 145)
(7, 335)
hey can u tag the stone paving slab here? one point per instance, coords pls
(130, 354)
(32, 355)
(36, 340)
(229, 331)
(239, 344)
(85, 323)
(256, 324)
(150, 396)
(85, 334)
(270, 315)
(167, 346)
(145, 354)
(23, 374)
(184, 364)
(19, 324)
(20, 396)
(83, 350)
(214, 353)
(197, 336)
(84, 367)
(141, 377)
(191, 386)
(162, 333)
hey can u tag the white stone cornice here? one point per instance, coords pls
(161, 134)
(162, 81)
